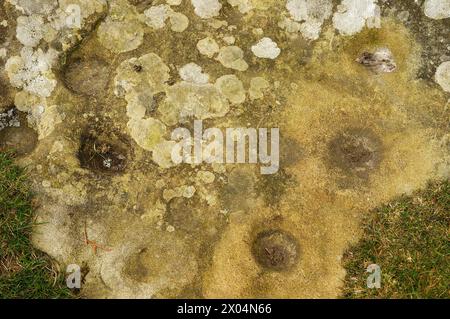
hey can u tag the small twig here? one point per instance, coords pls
(92, 243)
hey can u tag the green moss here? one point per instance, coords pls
(24, 271)
(409, 240)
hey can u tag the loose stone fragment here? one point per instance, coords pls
(381, 61)
(45, 118)
(3, 53)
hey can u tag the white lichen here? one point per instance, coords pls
(9, 119)
(437, 9)
(29, 30)
(311, 14)
(43, 7)
(32, 71)
(266, 49)
(156, 16)
(353, 15)
(206, 8)
(193, 73)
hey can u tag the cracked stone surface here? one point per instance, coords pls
(359, 90)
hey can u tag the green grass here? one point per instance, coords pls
(409, 240)
(24, 271)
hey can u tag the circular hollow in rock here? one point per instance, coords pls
(275, 250)
(21, 140)
(87, 77)
(356, 151)
(101, 156)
